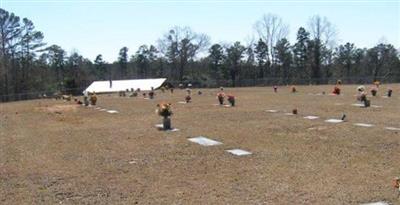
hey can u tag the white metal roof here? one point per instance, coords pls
(122, 85)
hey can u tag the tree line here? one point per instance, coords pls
(29, 66)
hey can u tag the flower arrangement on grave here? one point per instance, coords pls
(134, 94)
(396, 185)
(165, 111)
(275, 88)
(338, 82)
(377, 83)
(294, 89)
(362, 96)
(85, 100)
(221, 98)
(389, 92)
(78, 101)
(93, 98)
(360, 89)
(374, 90)
(188, 99)
(199, 92)
(231, 100)
(294, 111)
(336, 90)
(396, 182)
(67, 97)
(151, 93)
(144, 95)
(188, 91)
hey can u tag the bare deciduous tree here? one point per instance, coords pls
(180, 45)
(271, 29)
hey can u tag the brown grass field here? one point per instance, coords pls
(55, 152)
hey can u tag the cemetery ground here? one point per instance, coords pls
(55, 152)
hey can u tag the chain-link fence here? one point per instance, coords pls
(214, 84)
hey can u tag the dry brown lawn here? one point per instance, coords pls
(54, 152)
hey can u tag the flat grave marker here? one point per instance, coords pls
(238, 152)
(161, 127)
(272, 111)
(363, 125)
(334, 121)
(204, 141)
(376, 203)
(311, 117)
(392, 128)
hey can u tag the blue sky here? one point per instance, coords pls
(102, 27)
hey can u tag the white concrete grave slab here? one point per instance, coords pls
(227, 106)
(376, 106)
(182, 102)
(358, 105)
(311, 117)
(112, 111)
(288, 114)
(272, 111)
(377, 203)
(363, 125)
(392, 128)
(204, 141)
(160, 126)
(238, 152)
(103, 110)
(334, 121)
